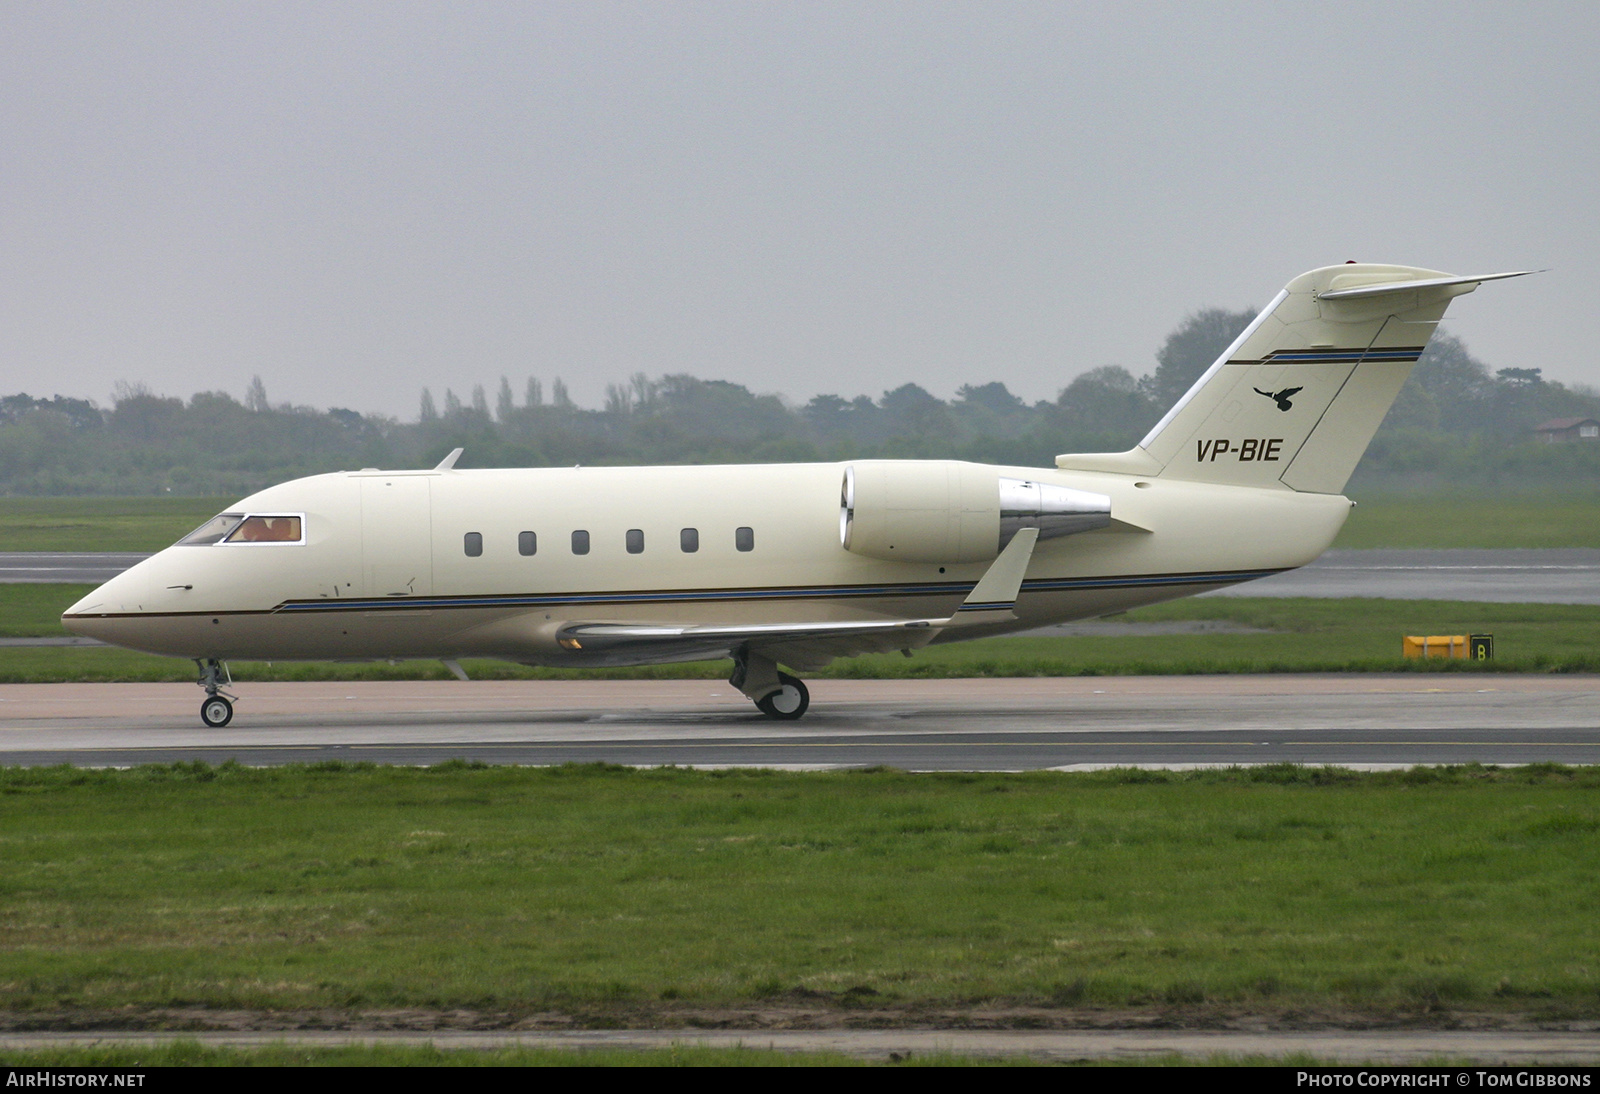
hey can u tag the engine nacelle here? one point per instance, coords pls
(951, 511)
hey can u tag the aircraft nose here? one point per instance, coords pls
(94, 615)
(83, 606)
(87, 625)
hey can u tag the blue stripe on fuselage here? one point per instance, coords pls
(817, 592)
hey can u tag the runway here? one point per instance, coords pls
(37, 567)
(1566, 576)
(1075, 723)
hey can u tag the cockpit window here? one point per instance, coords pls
(267, 530)
(212, 530)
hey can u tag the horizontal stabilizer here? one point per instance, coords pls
(1387, 287)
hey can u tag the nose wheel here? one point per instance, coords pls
(216, 710)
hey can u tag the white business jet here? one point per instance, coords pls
(798, 564)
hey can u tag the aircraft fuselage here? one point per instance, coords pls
(494, 563)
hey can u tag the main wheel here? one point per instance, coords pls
(788, 702)
(216, 712)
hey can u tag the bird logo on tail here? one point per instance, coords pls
(1280, 397)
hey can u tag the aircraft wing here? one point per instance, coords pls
(798, 644)
(803, 645)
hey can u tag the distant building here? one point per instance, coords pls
(1562, 430)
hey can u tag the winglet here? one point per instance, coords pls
(449, 462)
(995, 594)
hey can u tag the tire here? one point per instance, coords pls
(216, 712)
(788, 702)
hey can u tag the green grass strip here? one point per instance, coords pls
(1301, 635)
(191, 1053)
(617, 894)
(1454, 519)
(101, 524)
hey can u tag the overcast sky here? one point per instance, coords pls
(355, 200)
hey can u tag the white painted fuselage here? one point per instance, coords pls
(383, 569)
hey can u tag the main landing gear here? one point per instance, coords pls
(216, 710)
(788, 702)
(776, 694)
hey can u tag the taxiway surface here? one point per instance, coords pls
(1356, 720)
(43, 567)
(1563, 576)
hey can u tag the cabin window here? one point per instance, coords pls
(527, 543)
(580, 542)
(689, 540)
(266, 530)
(635, 541)
(213, 530)
(472, 542)
(744, 539)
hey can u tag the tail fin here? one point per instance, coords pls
(1297, 397)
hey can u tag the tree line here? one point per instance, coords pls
(1455, 421)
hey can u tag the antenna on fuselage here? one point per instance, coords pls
(449, 462)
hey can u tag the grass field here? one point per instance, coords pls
(617, 895)
(1302, 635)
(32, 610)
(1464, 520)
(101, 524)
(190, 1053)
(1528, 519)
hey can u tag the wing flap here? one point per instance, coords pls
(626, 643)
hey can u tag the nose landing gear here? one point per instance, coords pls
(216, 710)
